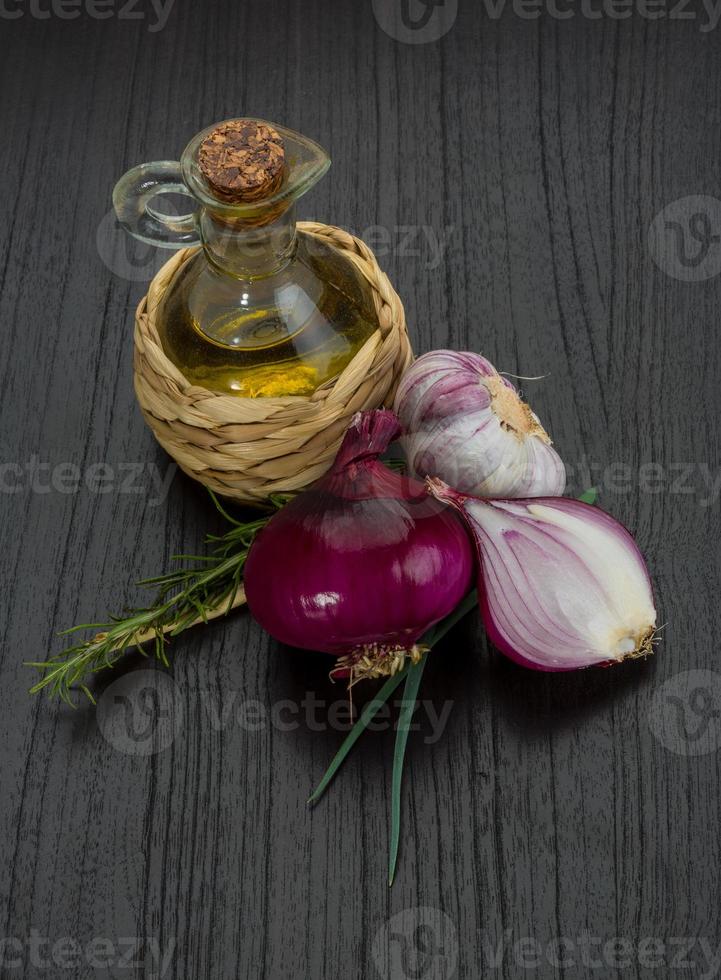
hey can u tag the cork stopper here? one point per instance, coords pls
(242, 160)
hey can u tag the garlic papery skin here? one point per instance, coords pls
(467, 425)
(562, 585)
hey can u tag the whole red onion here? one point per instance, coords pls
(362, 563)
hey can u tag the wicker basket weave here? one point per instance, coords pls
(249, 448)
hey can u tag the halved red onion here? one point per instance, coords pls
(562, 585)
(466, 424)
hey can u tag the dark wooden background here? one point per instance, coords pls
(540, 151)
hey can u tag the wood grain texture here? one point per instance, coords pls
(538, 152)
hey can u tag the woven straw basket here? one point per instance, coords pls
(249, 448)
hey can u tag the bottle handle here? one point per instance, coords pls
(131, 200)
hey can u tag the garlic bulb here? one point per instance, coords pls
(562, 585)
(466, 424)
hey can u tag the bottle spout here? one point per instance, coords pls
(239, 174)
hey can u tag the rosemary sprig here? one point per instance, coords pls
(184, 598)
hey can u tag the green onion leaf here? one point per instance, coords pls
(367, 715)
(433, 635)
(408, 706)
(589, 496)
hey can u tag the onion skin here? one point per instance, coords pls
(363, 558)
(464, 423)
(562, 585)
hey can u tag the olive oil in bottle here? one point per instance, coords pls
(303, 326)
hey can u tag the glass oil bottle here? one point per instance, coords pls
(263, 309)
